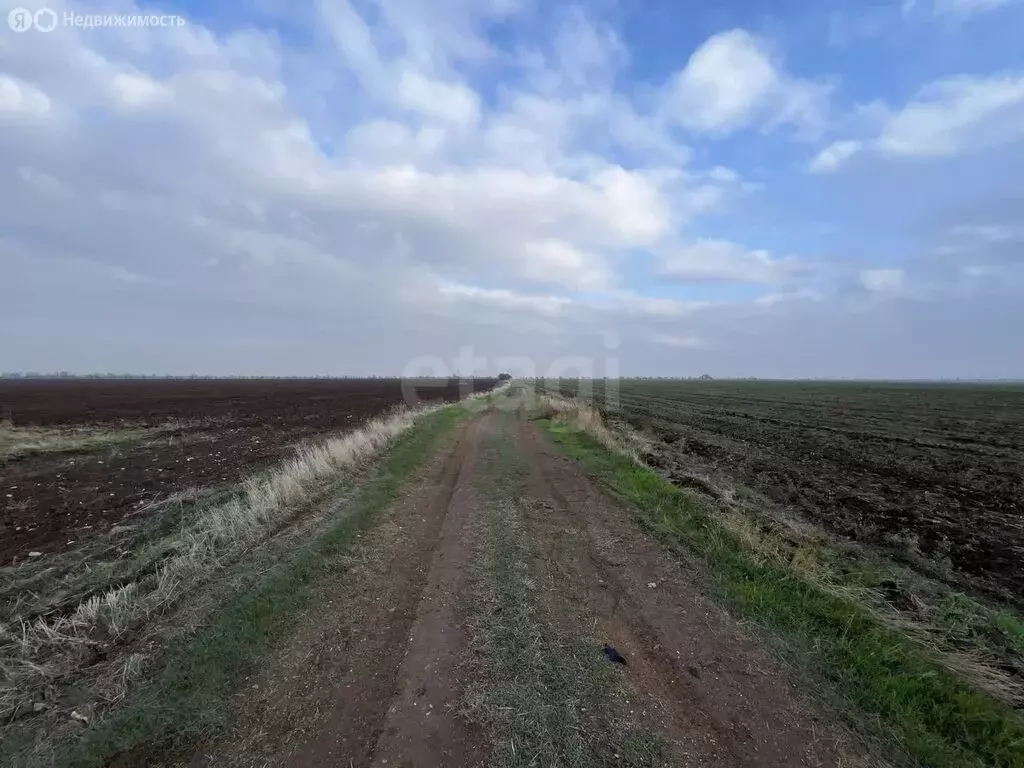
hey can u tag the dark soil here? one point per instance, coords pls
(213, 433)
(934, 472)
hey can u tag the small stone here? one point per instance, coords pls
(652, 584)
(38, 706)
(35, 554)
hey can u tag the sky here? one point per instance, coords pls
(348, 187)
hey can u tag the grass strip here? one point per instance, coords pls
(921, 708)
(64, 580)
(549, 696)
(19, 442)
(189, 700)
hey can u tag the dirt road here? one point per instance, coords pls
(469, 626)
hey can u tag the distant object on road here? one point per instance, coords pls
(613, 655)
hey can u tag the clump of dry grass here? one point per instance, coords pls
(269, 500)
(18, 442)
(33, 654)
(584, 417)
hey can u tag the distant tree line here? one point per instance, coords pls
(162, 377)
(702, 377)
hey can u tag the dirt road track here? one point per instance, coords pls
(707, 685)
(377, 674)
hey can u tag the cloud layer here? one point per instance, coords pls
(349, 187)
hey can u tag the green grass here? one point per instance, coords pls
(966, 622)
(1012, 630)
(549, 695)
(925, 712)
(19, 442)
(189, 700)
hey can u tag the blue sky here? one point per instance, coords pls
(376, 186)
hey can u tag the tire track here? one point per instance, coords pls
(720, 698)
(353, 730)
(331, 695)
(424, 726)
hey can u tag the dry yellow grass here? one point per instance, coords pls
(32, 652)
(586, 418)
(17, 442)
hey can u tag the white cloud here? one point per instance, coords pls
(549, 305)
(955, 115)
(134, 90)
(723, 175)
(21, 98)
(587, 52)
(391, 190)
(632, 304)
(832, 157)
(389, 142)
(882, 280)
(354, 42)
(725, 81)
(419, 81)
(678, 341)
(731, 80)
(569, 95)
(964, 8)
(782, 297)
(725, 261)
(454, 102)
(43, 184)
(442, 33)
(803, 104)
(635, 203)
(240, 183)
(988, 233)
(948, 117)
(554, 261)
